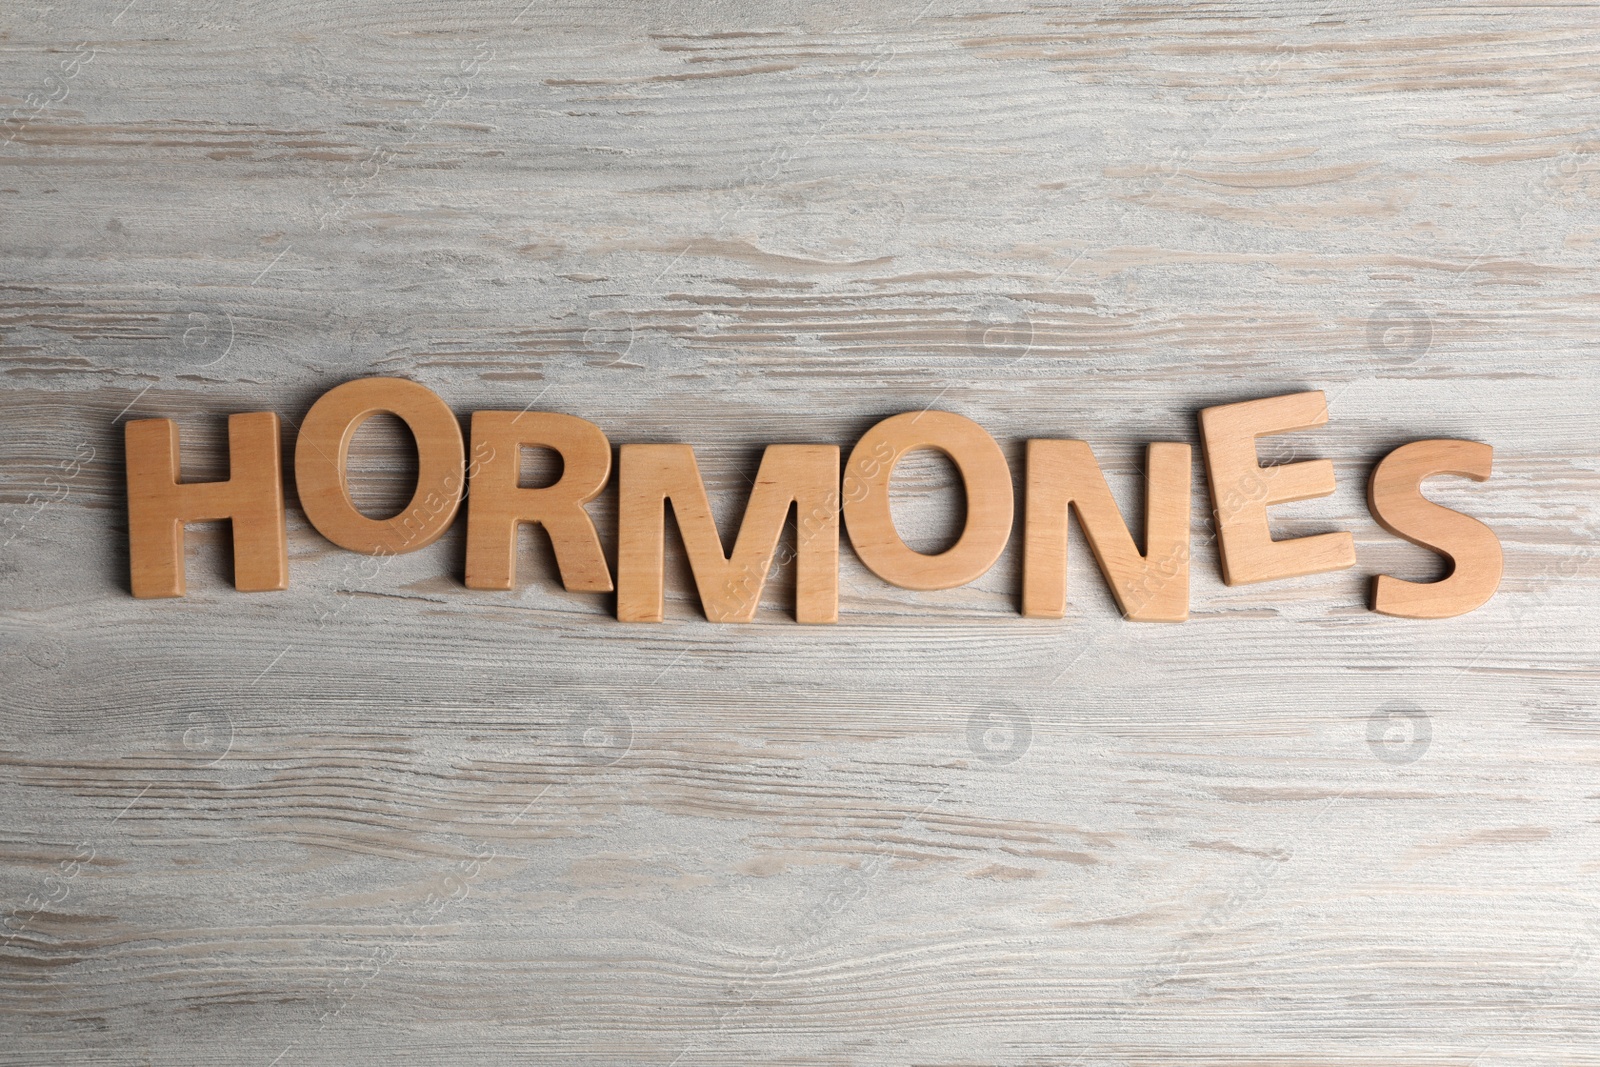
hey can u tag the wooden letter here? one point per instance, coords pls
(324, 444)
(251, 498)
(730, 587)
(1241, 490)
(984, 474)
(498, 504)
(1149, 588)
(1395, 496)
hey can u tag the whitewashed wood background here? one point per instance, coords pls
(379, 818)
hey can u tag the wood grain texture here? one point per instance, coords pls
(380, 817)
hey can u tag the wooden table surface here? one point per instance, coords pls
(381, 818)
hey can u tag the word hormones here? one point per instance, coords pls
(1062, 479)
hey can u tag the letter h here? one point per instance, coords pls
(159, 505)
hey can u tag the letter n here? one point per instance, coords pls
(1153, 587)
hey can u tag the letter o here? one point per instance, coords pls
(984, 474)
(321, 474)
